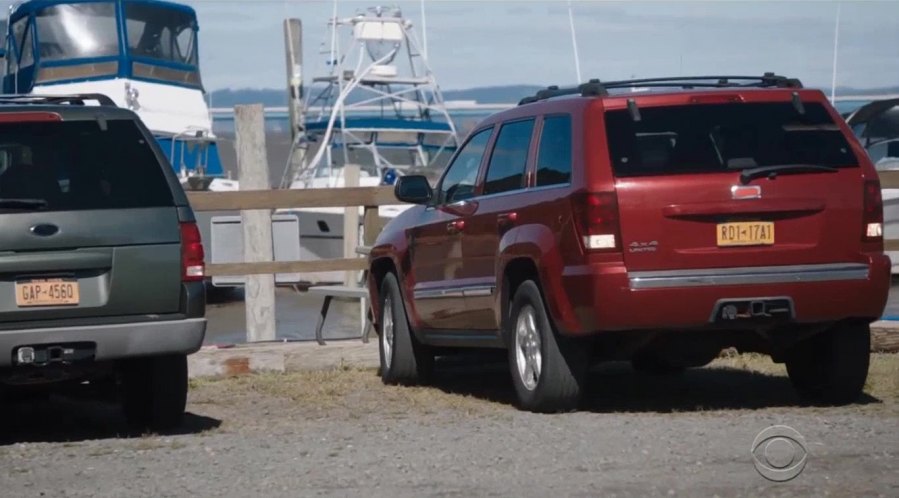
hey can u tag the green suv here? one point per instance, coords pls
(101, 264)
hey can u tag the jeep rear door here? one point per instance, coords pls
(436, 250)
(89, 226)
(734, 184)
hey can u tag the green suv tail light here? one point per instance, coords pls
(192, 266)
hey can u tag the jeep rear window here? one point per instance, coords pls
(77, 165)
(725, 137)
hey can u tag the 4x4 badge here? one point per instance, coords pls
(746, 192)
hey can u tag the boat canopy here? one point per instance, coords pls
(56, 41)
(877, 127)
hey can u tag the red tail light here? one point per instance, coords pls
(192, 266)
(597, 215)
(873, 216)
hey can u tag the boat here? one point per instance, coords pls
(376, 104)
(142, 54)
(876, 125)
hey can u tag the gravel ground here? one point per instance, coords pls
(341, 432)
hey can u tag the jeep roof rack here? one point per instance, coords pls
(74, 99)
(597, 88)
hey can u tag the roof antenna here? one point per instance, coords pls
(836, 42)
(577, 59)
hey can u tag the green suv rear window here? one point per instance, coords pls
(79, 165)
(723, 137)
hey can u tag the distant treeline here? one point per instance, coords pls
(484, 95)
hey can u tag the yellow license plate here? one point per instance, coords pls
(47, 292)
(746, 233)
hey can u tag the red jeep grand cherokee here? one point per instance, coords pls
(658, 223)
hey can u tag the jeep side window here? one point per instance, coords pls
(461, 176)
(510, 157)
(554, 155)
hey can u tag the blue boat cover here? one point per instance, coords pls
(213, 161)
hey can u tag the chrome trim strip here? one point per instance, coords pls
(444, 292)
(748, 275)
(436, 293)
(481, 291)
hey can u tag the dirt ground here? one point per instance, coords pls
(341, 432)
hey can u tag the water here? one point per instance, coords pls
(296, 315)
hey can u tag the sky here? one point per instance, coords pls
(480, 43)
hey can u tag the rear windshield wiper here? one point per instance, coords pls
(23, 203)
(772, 171)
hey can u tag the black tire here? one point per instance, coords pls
(404, 360)
(155, 392)
(832, 366)
(652, 364)
(558, 383)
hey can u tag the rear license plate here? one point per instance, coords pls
(47, 292)
(746, 233)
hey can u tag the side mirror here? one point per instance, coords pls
(413, 189)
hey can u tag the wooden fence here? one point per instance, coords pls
(890, 179)
(368, 197)
(256, 205)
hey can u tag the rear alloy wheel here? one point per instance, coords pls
(832, 366)
(547, 370)
(155, 392)
(403, 359)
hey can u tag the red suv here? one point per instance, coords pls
(656, 221)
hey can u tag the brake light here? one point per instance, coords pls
(873, 212)
(192, 266)
(717, 99)
(597, 216)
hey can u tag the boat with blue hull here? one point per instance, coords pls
(142, 54)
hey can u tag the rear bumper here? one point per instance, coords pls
(600, 298)
(113, 342)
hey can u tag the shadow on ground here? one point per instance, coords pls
(68, 419)
(616, 387)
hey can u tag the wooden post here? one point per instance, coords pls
(371, 225)
(293, 51)
(252, 170)
(350, 222)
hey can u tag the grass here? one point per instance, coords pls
(883, 372)
(343, 388)
(734, 381)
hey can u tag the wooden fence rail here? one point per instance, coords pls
(286, 198)
(369, 197)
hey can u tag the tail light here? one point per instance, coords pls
(873, 216)
(597, 215)
(192, 266)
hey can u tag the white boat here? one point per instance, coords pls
(876, 125)
(142, 54)
(377, 105)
